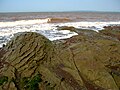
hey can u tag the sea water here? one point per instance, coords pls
(47, 23)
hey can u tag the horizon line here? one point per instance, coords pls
(56, 11)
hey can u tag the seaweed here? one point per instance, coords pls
(3, 79)
(31, 84)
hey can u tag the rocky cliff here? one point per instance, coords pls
(88, 61)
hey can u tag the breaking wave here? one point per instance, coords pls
(36, 21)
(47, 27)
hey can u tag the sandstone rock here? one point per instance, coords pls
(71, 28)
(58, 20)
(89, 61)
(113, 31)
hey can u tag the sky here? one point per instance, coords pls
(59, 5)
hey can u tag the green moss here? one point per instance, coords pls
(28, 83)
(31, 84)
(3, 79)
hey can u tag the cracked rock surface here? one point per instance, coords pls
(88, 61)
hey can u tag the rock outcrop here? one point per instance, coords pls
(70, 28)
(58, 20)
(113, 31)
(88, 61)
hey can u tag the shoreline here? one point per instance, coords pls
(49, 30)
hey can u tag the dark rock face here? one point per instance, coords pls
(66, 28)
(113, 31)
(89, 61)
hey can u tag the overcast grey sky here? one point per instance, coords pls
(58, 5)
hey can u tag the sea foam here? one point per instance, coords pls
(46, 28)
